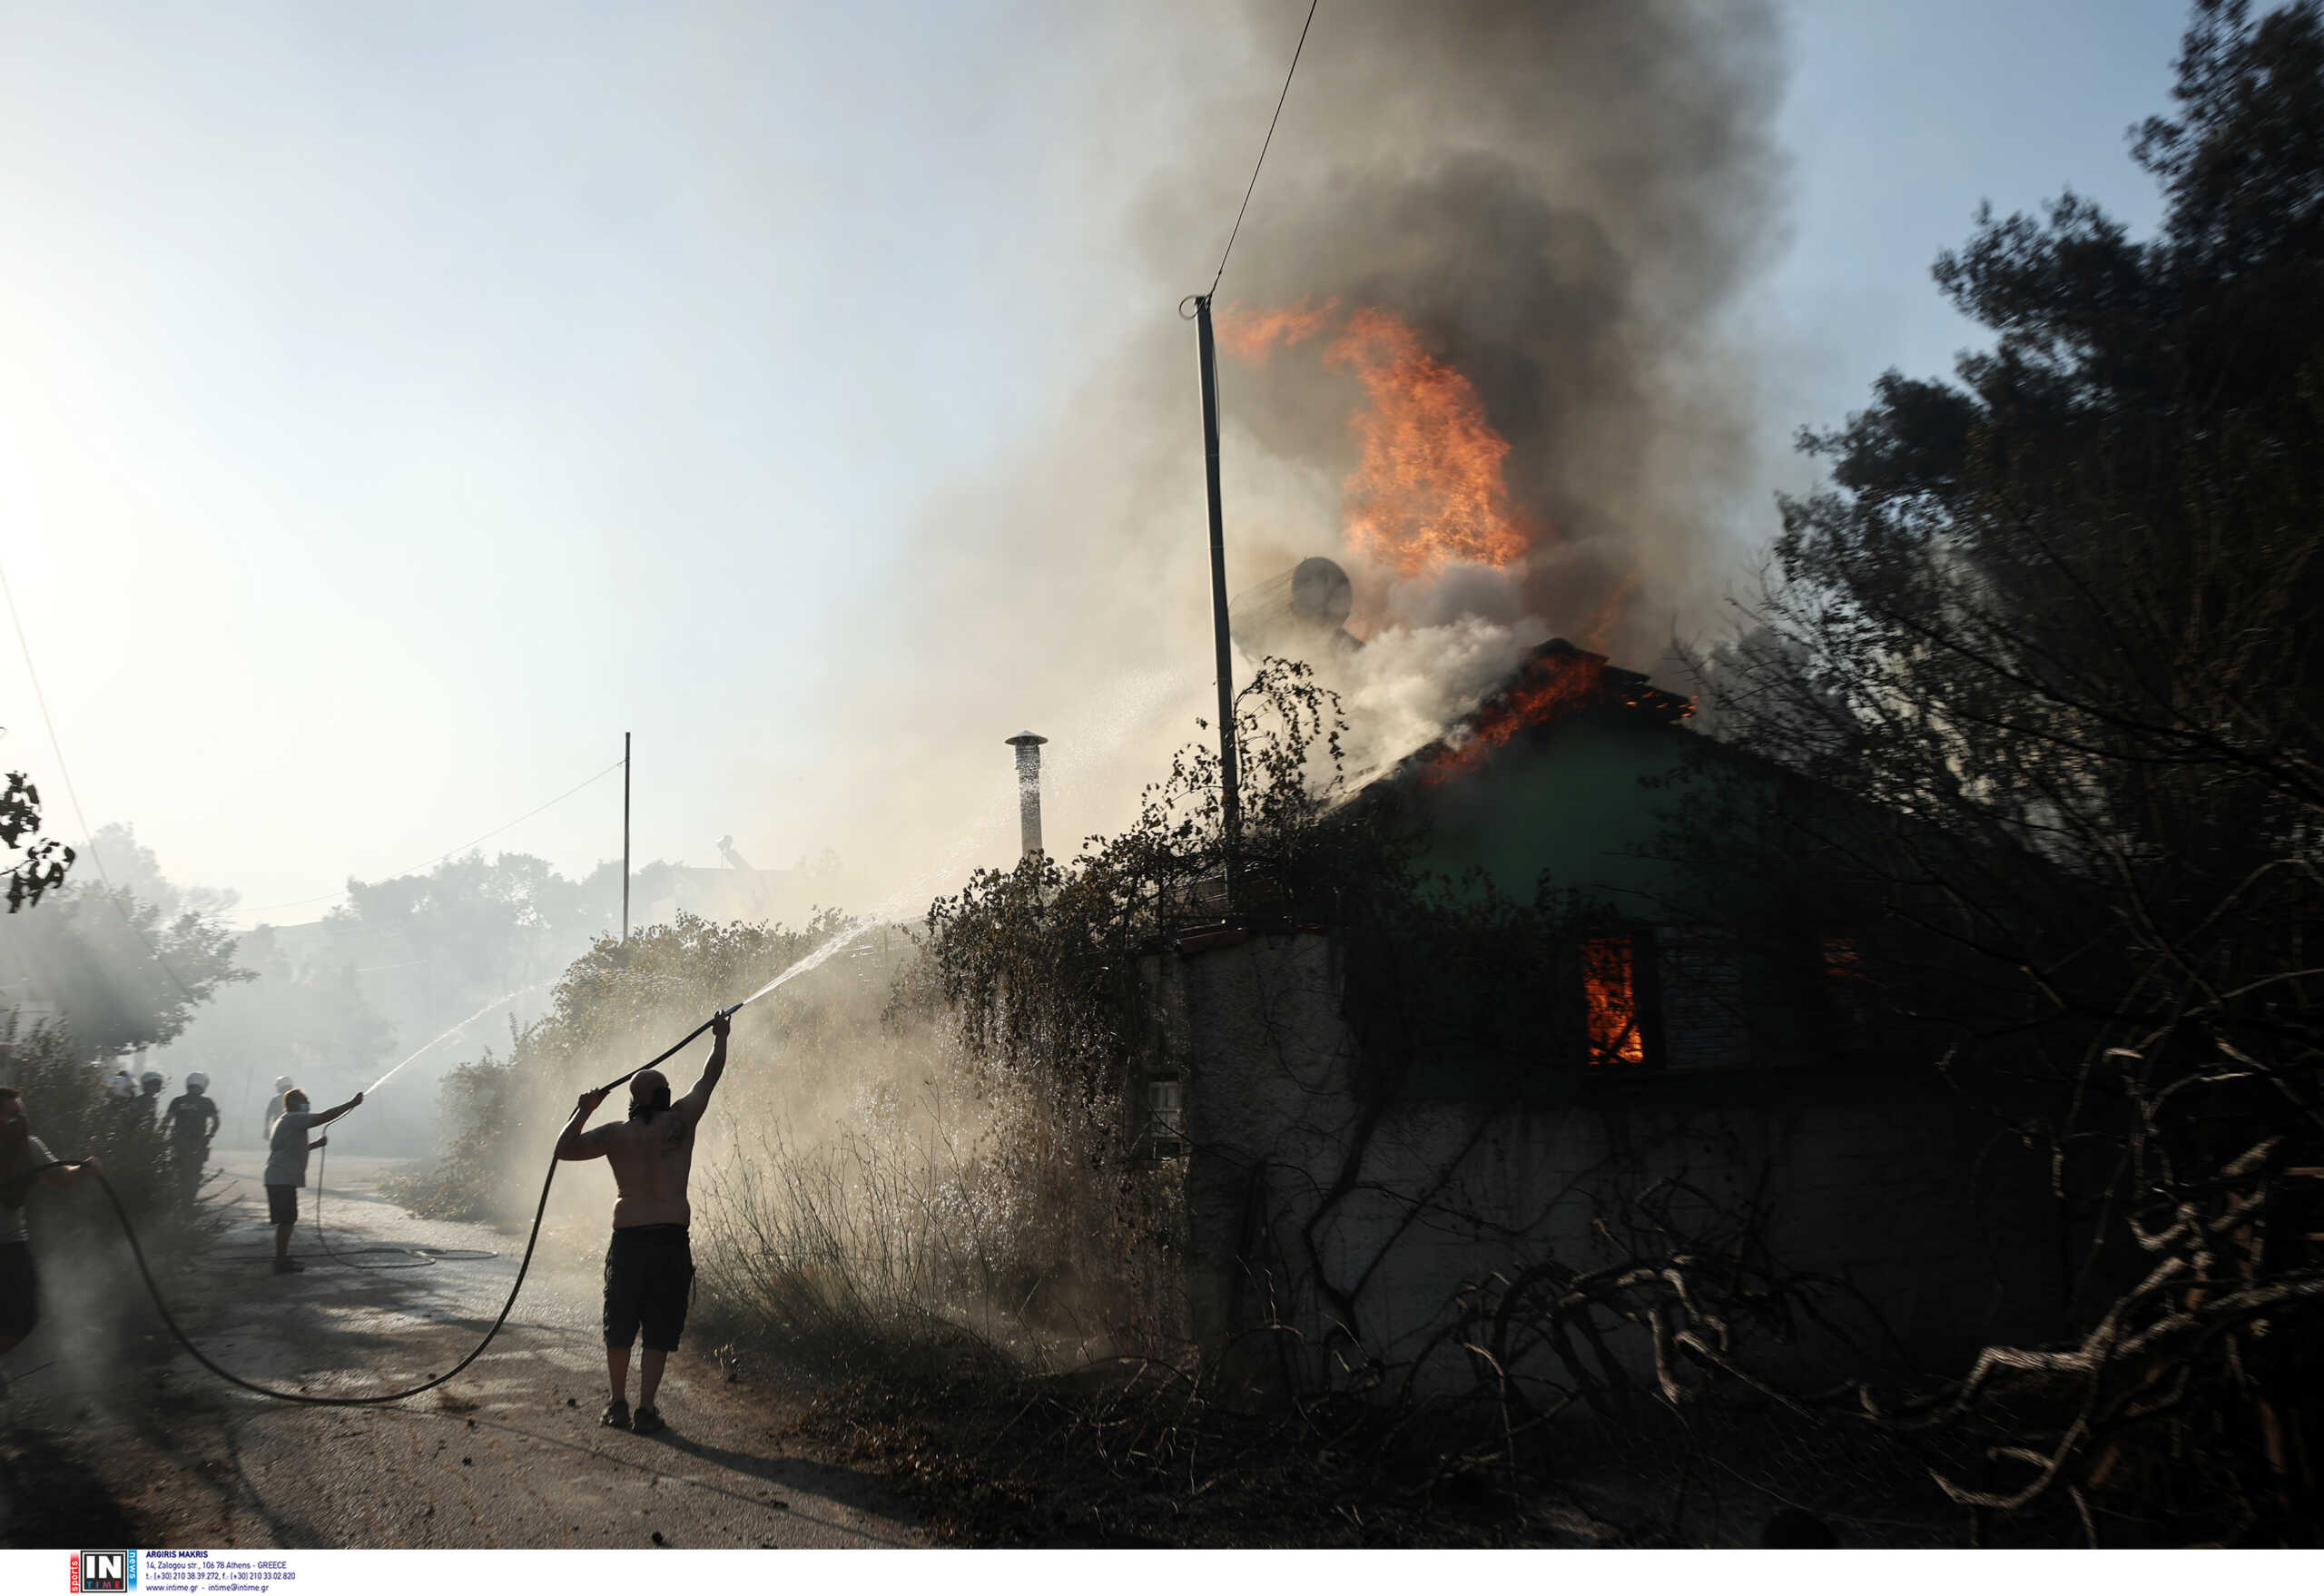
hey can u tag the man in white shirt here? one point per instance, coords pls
(286, 1169)
(22, 1157)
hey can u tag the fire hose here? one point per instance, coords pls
(413, 1257)
(531, 1241)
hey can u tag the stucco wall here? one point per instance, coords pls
(1358, 1222)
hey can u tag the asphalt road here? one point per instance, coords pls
(509, 1455)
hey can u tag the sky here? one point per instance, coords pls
(399, 404)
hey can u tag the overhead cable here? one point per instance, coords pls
(96, 855)
(449, 853)
(1264, 145)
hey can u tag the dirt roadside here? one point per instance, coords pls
(155, 1452)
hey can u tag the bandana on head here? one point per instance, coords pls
(649, 1093)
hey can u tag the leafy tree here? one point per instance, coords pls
(2051, 627)
(42, 868)
(128, 962)
(308, 1019)
(73, 1112)
(1040, 960)
(438, 945)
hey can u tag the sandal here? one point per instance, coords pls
(649, 1419)
(616, 1415)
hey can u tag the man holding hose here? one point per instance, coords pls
(286, 1168)
(25, 1162)
(649, 1265)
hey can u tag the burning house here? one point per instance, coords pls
(1600, 1031)
(1369, 1147)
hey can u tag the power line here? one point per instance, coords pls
(49, 721)
(1263, 147)
(96, 856)
(449, 852)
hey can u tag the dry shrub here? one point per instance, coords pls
(984, 1216)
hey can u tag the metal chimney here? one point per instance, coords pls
(1029, 788)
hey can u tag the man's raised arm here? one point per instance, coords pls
(695, 1101)
(328, 1115)
(573, 1144)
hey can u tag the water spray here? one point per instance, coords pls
(453, 1030)
(819, 956)
(831, 946)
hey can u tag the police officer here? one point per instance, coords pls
(283, 1085)
(193, 1120)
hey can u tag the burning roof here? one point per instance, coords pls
(1556, 682)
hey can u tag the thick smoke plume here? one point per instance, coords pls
(1557, 202)
(1540, 213)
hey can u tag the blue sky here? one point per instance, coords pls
(1901, 119)
(397, 404)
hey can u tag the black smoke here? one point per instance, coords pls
(1563, 198)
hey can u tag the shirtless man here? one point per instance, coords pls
(649, 1265)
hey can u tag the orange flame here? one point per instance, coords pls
(1430, 489)
(1253, 335)
(1552, 685)
(1609, 997)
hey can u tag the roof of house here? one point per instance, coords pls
(1554, 681)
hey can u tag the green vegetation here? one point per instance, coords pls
(73, 1112)
(127, 959)
(2052, 625)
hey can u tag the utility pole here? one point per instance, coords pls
(625, 839)
(1230, 797)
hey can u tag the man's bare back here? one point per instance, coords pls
(651, 1159)
(649, 1263)
(652, 1153)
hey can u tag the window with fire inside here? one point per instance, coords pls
(1687, 998)
(1620, 1017)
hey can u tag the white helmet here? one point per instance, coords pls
(197, 1082)
(283, 1083)
(151, 1079)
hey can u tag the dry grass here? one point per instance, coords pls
(1135, 1452)
(984, 1221)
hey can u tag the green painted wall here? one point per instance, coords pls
(1572, 798)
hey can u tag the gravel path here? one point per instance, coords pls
(509, 1455)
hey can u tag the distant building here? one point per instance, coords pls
(738, 890)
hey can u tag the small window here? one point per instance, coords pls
(1702, 995)
(1611, 1000)
(1847, 991)
(1166, 1116)
(1166, 1106)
